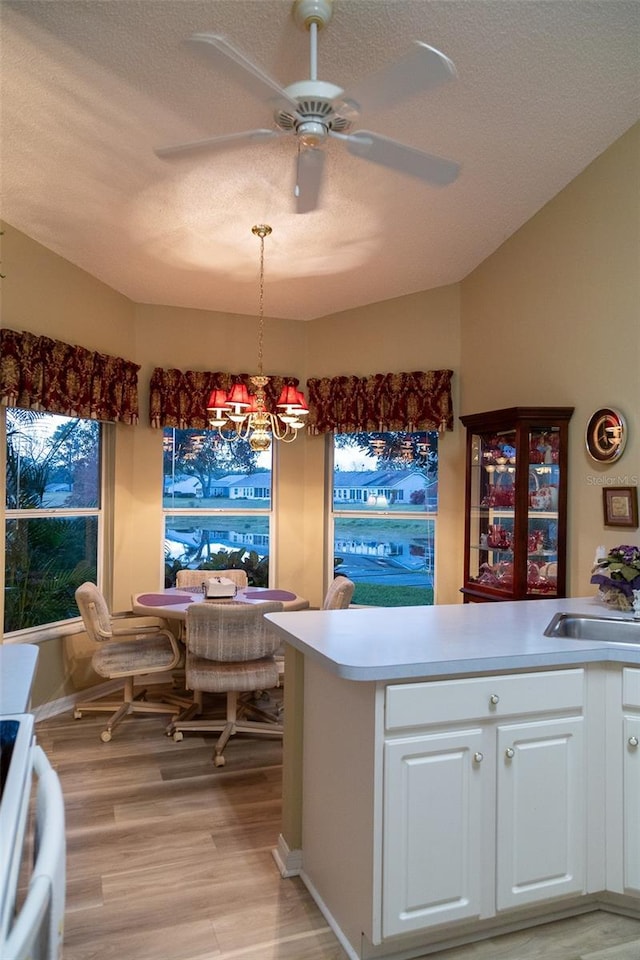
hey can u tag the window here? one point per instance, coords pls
(385, 503)
(217, 504)
(53, 515)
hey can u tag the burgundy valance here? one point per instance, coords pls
(179, 398)
(381, 402)
(38, 373)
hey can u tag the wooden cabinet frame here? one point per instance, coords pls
(516, 558)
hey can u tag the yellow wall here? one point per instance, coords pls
(550, 318)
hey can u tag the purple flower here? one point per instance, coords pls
(627, 554)
(619, 569)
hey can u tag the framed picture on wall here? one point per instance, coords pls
(620, 506)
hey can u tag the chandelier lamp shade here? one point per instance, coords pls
(240, 415)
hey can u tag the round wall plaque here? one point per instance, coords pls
(606, 435)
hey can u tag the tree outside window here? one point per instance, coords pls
(52, 515)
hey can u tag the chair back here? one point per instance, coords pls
(232, 631)
(94, 611)
(194, 578)
(339, 594)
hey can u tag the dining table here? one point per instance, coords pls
(172, 603)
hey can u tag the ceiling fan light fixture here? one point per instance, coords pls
(312, 133)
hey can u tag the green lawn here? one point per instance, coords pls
(387, 595)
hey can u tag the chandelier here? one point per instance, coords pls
(240, 415)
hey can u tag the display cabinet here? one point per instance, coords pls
(516, 503)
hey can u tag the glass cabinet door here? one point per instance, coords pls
(542, 511)
(493, 510)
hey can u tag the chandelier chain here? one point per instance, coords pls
(261, 306)
(261, 230)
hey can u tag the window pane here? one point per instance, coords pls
(217, 542)
(203, 471)
(52, 462)
(396, 472)
(389, 559)
(387, 482)
(46, 559)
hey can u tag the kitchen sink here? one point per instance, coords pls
(576, 626)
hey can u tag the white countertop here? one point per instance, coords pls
(391, 643)
(17, 669)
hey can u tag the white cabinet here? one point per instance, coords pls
(433, 825)
(484, 817)
(631, 779)
(541, 811)
(623, 781)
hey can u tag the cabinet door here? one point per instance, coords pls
(541, 822)
(631, 804)
(432, 829)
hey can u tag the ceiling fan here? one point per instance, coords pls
(314, 110)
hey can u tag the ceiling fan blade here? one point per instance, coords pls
(308, 179)
(216, 143)
(236, 64)
(389, 153)
(421, 68)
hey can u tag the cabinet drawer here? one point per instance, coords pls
(631, 687)
(448, 701)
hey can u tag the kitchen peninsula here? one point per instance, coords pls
(464, 774)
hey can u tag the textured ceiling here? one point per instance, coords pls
(89, 88)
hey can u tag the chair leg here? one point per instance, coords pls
(218, 759)
(229, 730)
(193, 709)
(114, 720)
(246, 706)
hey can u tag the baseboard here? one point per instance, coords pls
(53, 708)
(326, 913)
(289, 861)
(66, 704)
(422, 944)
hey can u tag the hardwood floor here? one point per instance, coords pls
(169, 858)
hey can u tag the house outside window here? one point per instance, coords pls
(53, 515)
(217, 504)
(384, 511)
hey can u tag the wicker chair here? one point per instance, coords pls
(339, 594)
(230, 649)
(194, 578)
(127, 648)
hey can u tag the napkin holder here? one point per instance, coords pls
(219, 588)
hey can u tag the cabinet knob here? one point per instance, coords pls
(633, 741)
(494, 698)
(509, 753)
(478, 757)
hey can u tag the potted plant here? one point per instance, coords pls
(618, 576)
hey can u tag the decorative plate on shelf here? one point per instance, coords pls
(606, 435)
